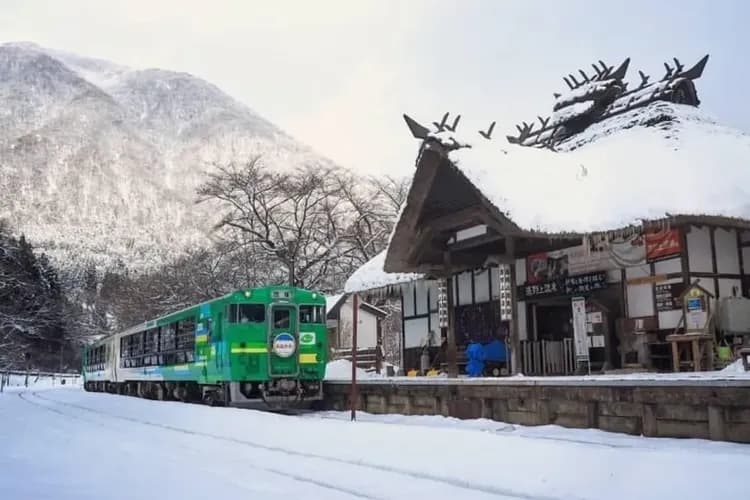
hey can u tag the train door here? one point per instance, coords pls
(283, 360)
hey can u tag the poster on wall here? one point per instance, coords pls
(696, 310)
(572, 285)
(668, 296)
(599, 253)
(580, 335)
(662, 244)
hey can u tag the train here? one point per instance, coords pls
(258, 347)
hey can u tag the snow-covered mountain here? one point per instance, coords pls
(100, 162)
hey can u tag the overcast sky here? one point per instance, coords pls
(338, 74)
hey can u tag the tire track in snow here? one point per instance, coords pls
(271, 470)
(457, 483)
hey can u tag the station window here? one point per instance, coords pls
(311, 314)
(246, 313)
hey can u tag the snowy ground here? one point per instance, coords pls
(65, 443)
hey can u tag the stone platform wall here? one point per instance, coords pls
(718, 410)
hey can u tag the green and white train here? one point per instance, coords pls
(257, 347)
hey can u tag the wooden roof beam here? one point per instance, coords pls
(483, 239)
(421, 242)
(455, 221)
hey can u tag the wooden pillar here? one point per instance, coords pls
(697, 358)
(353, 396)
(450, 348)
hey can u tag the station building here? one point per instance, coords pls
(620, 201)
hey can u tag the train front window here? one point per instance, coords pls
(311, 314)
(246, 313)
(281, 318)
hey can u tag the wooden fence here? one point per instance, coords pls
(548, 357)
(26, 378)
(366, 358)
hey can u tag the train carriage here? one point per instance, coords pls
(257, 346)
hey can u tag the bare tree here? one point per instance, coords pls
(301, 220)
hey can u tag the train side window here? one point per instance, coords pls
(311, 314)
(252, 313)
(232, 313)
(246, 313)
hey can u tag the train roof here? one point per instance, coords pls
(153, 322)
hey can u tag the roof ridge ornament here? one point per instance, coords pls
(597, 98)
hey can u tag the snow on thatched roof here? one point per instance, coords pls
(371, 276)
(661, 160)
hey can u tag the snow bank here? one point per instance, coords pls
(736, 367)
(341, 369)
(647, 378)
(371, 276)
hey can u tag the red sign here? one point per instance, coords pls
(663, 244)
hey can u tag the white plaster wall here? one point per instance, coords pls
(614, 276)
(415, 332)
(433, 287)
(520, 271)
(699, 249)
(727, 257)
(522, 330)
(640, 297)
(345, 325)
(421, 306)
(464, 288)
(367, 333)
(725, 287)
(481, 286)
(668, 266)
(407, 292)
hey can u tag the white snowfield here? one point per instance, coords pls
(68, 444)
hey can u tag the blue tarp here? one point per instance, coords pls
(477, 354)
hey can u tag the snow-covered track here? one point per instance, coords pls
(463, 488)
